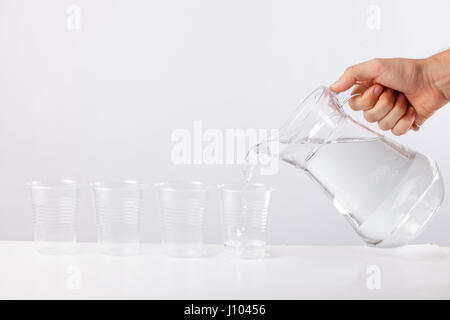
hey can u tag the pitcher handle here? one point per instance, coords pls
(343, 99)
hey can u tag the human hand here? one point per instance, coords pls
(399, 94)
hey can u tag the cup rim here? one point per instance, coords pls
(117, 184)
(182, 185)
(241, 187)
(48, 184)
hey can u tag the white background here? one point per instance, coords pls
(101, 102)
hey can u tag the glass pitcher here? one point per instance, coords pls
(387, 192)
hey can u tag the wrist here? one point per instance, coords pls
(436, 71)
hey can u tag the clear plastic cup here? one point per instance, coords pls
(54, 207)
(182, 205)
(244, 209)
(118, 206)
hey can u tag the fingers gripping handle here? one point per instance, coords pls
(343, 98)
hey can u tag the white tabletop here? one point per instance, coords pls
(291, 272)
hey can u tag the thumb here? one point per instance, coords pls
(366, 71)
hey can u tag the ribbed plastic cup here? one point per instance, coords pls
(244, 209)
(118, 206)
(54, 206)
(182, 205)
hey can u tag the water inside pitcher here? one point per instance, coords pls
(386, 191)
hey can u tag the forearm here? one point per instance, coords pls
(438, 70)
